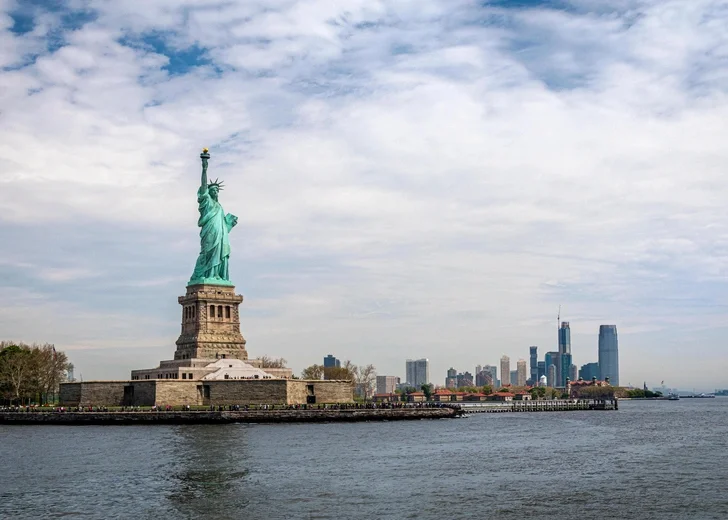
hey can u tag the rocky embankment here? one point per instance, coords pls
(221, 417)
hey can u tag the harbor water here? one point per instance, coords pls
(649, 460)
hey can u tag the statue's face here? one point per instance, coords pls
(213, 192)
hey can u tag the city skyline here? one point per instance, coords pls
(441, 174)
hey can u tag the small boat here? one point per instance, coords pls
(673, 397)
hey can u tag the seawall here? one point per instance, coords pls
(224, 417)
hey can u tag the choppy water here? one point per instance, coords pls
(661, 460)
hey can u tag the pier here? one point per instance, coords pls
(555, 405)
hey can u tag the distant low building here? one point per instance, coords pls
(593, 389)
(416, 397)
(501, 396)
(386, 398)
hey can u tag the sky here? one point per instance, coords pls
(413, 178)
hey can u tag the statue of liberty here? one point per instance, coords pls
(215, 226)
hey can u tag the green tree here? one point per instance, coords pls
(339, 373)
(27, 371)
(427, 390)
(538, 392)
(312, 372)
(16, 371)
(487, 389)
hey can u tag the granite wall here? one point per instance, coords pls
(93, 393)
(164, 392)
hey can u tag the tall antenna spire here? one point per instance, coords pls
(558, 318)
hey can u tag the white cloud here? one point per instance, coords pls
(412, 179)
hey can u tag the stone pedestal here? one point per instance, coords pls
(210, 324)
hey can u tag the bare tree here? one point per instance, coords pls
(49, 368)
(366, 376)
(269, 362)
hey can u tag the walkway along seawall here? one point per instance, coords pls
(223, 417)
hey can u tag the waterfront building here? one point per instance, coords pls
(589, 371)
(541, 370)
(387, 384)
(331, 362)
(505, 368)
(533, 352)
(418, 372)
(608, 354)
(551, 377)
(521, 374)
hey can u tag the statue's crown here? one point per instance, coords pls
(217, 183)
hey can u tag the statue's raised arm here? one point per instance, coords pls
(214, 224)
(205, 156)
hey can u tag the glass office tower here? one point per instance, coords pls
(608, 354)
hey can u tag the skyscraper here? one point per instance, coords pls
(589, 371)
(418, 372)
(465, 379)
(541, 369)
(608, 354)
(514, 377)
(553, 359)
(563, 372)
(451, 381)
(522, 375)
(330, 362)
(493, 372)
(505, 367)
(562, 368)
(572, 372)
(533, 351)
(484, 377)
(565, 338)
(551, 376)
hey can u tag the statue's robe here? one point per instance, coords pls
(214, 239)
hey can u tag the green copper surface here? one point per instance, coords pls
(215, 226)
